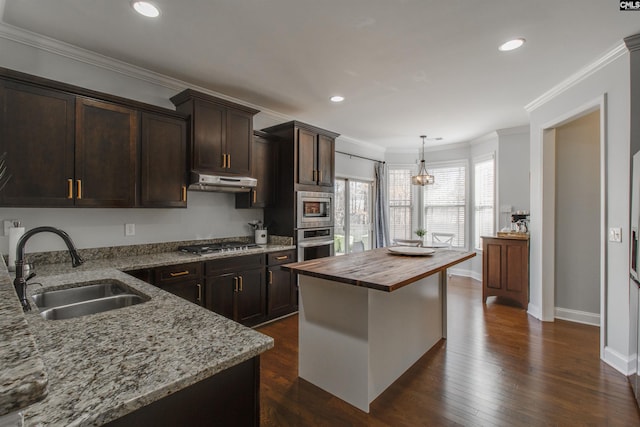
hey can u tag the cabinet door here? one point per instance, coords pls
(326, 160)
(208, 137)
(262, 159)
(307, 157)
(37, 133)
(251, 297)
(493, 259)
(239, 134)
(281, 292)
(163, 167)
(191, 290)
(105, 154)
(220, 294)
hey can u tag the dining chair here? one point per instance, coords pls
(444, 239)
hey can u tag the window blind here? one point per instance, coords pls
(484, 199)
(400, 203)
(445, 201)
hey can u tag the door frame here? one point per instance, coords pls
(548, 144)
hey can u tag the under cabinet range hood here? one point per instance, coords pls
(226, 184)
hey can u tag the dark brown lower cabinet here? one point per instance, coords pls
(235, 288)
(183, 280)
(229, 398)
(282, 295)
(505, 269)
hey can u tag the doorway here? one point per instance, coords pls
(577, 220)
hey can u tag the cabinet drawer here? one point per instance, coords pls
(234, 263)
(284, 257)
(180, 272)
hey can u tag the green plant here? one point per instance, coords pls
(420, 232)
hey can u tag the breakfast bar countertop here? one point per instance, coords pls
(378, 268)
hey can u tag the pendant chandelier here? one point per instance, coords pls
(423, 177)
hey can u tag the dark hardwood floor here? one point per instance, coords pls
(498, 367)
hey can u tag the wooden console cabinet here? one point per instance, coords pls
(505, 268)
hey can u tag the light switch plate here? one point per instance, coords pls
(129, 229)
(615, 234)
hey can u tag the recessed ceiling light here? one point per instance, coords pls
(511, 45)
(337, 98)
(146, 8)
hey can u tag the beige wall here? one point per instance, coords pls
(577, 243)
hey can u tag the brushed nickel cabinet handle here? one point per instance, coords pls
(184, 193)
(199, 298)
(241, 282)
(79, 184)
(69, 189)
(178, 273)
(224, 161)
(270, 277)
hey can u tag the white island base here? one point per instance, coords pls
(354, 341)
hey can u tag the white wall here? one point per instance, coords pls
(512, 167)
(610, 79)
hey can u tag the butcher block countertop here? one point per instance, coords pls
(378, 268)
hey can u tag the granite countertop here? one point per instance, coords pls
(23, 378)
(101, 367)
(378, 268)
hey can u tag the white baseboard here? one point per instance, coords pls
(534, 311)
(465, 273)
(619, 362)
(577, 316)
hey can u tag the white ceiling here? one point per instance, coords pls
(406, 67)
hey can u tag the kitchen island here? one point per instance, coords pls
(365, 318)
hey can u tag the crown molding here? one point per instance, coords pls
(633, 42)
(616, 52)
(56, 47)
(518, 130)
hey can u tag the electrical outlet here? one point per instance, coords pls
(129, 229)
(615, 234)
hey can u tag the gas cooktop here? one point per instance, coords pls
(217, 247)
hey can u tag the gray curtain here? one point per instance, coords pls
(381, 218)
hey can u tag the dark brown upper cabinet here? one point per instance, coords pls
(37, 132)
(163, 161)
(264, 164)
(105, 154)
(311, 156)
(69, 146)
(221, 133)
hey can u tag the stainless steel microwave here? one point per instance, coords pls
(314, 209)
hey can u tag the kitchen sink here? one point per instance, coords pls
(91, 307)
(85, 299)
(87, 292)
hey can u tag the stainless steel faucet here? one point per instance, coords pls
(20, 284)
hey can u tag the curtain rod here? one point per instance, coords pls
(360, 157)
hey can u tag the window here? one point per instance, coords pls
(400, 203)
(353, 215)
(445, 201)
(484, 198)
